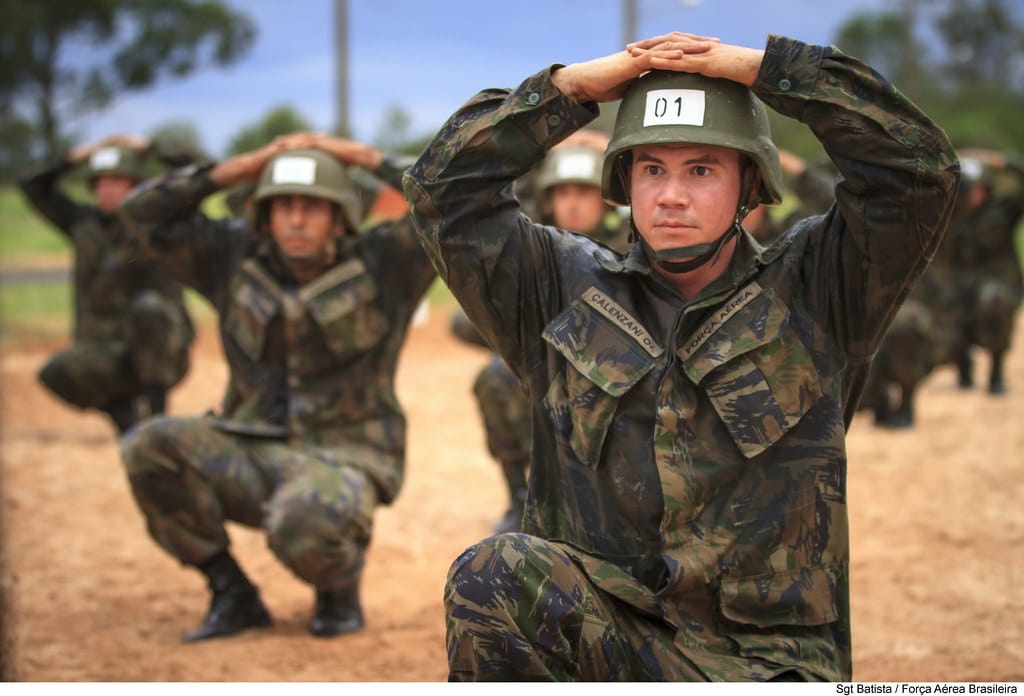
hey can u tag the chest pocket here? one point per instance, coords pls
(342, 304)
(604, 362)
(253, 306)
(755, 370)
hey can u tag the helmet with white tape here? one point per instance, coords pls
(667, 107)
(310, 172)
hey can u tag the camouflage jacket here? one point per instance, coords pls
(689, 452)
(313, 364)
(110, 268)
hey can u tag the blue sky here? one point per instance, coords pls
(429, 56)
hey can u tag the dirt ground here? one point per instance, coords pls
(937, 527)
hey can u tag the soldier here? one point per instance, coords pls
(131, 332)
(686, 515)
(567, 189)
(985, 251)
(311, 436)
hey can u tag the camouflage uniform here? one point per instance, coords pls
(686, 516)
(311, 435)
(132, 333)
(502, 400)
(984, 250)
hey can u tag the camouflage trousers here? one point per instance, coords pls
(154, 354)
(188, 478)
(991, 319)
(505, 411)
(518, 608)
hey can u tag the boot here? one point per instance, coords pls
(156, 400)
(336, 612)
(123, 413)
(996, 385)
(235, 604)
(965, 368)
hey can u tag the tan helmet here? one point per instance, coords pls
(664, 107)
(569, 164)
(310, 172)
(113, 160)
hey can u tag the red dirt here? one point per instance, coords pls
(937, 527)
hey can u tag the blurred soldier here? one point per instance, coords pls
(567, 191)
(311, 436)
(812, 189)
(131, 334)
(984, 250)
(686, 515)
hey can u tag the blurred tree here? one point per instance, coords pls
(393, 135)
(180, 139)
(132, 44)
(281, 120)
(971, 82)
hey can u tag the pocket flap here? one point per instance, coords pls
(608, 356)
(748, 320)
(800, 597)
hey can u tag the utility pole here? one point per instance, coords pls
(628, 21)
(341, 67)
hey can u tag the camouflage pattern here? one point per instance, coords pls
(688, 452)
(502, 401)
(312, 371)
(131, 331)
(189, 476)
(985, 251)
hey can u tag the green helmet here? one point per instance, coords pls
(676, 107)
(569, 164)
(310, 172)
(115, 161)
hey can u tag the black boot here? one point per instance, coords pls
(996, 384)
(124, 413)
(965, 369)
(336, 612)
(235, 604)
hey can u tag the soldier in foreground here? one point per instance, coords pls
(311, 436)
(686, 515)
(131, 333)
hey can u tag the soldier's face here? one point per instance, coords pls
(110, 189)
(304, 227)
(683, 194)
(576, 207)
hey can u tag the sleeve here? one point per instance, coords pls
(499, 265)
(163, 213)
(41, 188)
(403, 262)
(897, 186)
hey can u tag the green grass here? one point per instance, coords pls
(22, 231)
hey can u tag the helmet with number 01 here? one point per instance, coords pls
(309, 172)
(665, 107)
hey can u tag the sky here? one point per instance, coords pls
(428, 57)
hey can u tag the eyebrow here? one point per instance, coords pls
(706, 158)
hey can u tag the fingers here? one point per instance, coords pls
(692, 43)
